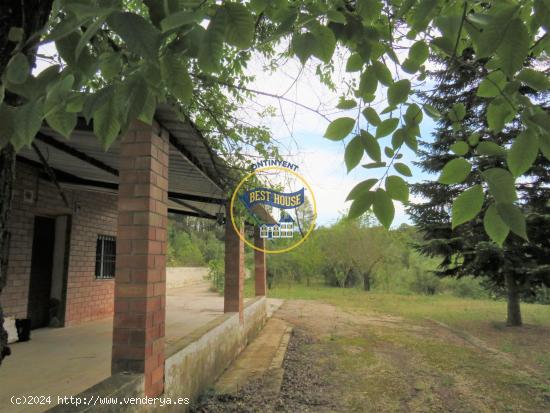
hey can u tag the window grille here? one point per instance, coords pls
(105, 257)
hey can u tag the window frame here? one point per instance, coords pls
(105, 258)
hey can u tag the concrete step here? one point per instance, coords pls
(264, 355)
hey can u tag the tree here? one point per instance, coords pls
(520, 266)
(193, 53)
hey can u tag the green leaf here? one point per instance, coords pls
(431, 112)
(27, 120)
(361, 204)
(457, 112)
(303, 45)
(383, 208)
(419, 52)
(383, 74)
(339, 128)
(354, 63)
(455, 171)
(414, 114)
(210, 54)
(371, 116)
(397, 188)
(460, 148)
(87, 36)
(490, 148)
(422, 13)
(106, 122)
(467, 205)
(354, 153)
(239, 25)
(374, 165)
(386, 127)
(368, 83)
(18, 69)
(492, 85)
(110, 65)
(371, 146)
(495, 226)
(175, 76)
(178, 19)
(336, 16)
(544, 143)
(15, 34)
(398, 92)
(513, 218)
(62, 121)
(534, 79)
(473, 139)
(523, 153)
(369, 10)
(501, 185)
(325, 43)
(148, 111)
(361, 187)
(514, 47)
(141, 37)
(402, 169)
(499, 113)
(346, 104)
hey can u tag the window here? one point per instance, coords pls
(263, 231)
(287, 230)
(105, 257)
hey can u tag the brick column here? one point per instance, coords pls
(259, 264)
(234, 270)
(140, 280)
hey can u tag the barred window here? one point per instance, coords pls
(105, 257)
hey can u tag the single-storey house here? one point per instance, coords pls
(88, 234)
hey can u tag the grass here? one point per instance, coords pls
(445, 308)
(477, 360)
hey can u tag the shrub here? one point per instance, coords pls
(216, 274)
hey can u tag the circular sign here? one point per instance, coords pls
(280, 200)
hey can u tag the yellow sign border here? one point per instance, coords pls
(233, 197)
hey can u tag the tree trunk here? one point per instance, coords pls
(7, 173)
(514, 311)
(31, 16)
(366, 280)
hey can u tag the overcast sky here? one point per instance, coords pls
(300, 134)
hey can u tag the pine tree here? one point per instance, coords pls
(519, 268)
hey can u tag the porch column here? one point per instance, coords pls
(234, 269)
(140, 280)
(259, 264)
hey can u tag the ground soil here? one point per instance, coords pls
(339, 361)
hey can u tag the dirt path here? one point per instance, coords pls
(343, 362)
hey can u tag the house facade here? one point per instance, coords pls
(88, 234)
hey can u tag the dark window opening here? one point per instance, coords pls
(105, 257)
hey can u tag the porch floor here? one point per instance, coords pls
(66, 361)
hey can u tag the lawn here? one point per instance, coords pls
(425, 353)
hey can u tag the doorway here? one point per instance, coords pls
(41, 272)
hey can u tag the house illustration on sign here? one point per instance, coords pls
(282, 229)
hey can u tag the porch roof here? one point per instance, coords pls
(198, 178)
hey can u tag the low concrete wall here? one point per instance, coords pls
(195, 363)
(181, 276)
(192, 365)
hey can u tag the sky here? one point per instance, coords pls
(300, 135)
